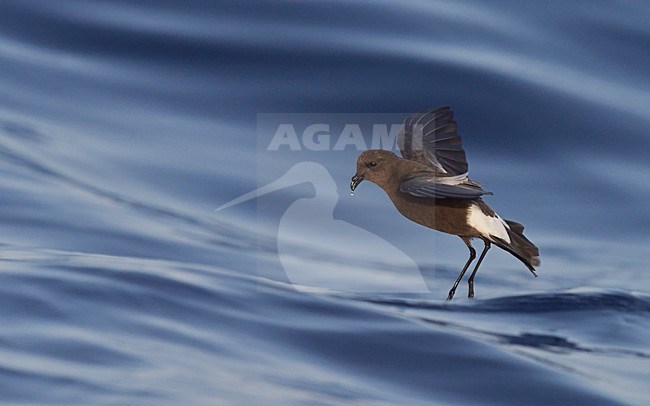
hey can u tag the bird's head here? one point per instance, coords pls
(373, 165)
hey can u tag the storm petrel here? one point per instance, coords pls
(430, 186)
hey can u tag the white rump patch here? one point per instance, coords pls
(486, 225)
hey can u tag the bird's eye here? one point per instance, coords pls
(371, 164)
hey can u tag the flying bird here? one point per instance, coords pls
(430, 186)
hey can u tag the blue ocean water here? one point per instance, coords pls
(123, 125)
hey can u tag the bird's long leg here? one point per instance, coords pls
(470, 281)
(472, 255)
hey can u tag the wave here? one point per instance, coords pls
(591, 301)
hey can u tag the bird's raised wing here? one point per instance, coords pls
(428, 184)
(429, 137)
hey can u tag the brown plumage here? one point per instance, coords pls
(430, 187)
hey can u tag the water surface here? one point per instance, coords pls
(123, 125)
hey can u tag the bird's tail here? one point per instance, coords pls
(520, 246)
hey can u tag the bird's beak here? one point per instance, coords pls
(356, 179)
